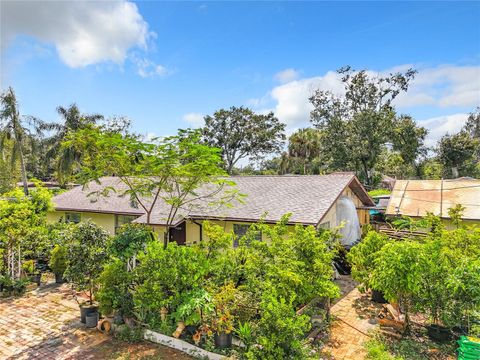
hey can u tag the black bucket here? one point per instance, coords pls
(91, 319)
(223, 341)
(85, 310)
(378, 297)
(59, 278)
(439, 333)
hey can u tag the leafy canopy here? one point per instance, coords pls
(241, 133)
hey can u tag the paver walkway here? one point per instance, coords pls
(44, 324)
(353, 318)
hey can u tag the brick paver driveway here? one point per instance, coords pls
(44, 324)
(352, 315)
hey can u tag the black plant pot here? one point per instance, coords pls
(36, 278)
(223, 341)
(91, 320)
(86, 309)
(439, 333)
(378, 297)
(59, 278)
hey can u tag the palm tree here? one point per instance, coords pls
(305, 145)
(11, 129)
(66, 157)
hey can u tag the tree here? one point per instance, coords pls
(86, 256)
(8, 174)
(358, 124)
(457, 152)
(362, 257)
(305, 144)
(431, 169)
(391, 163)
(408, 139)
(66, 157)
(170, 171)
(22, 221)
(241, 133)
(472, 126)
(398, 274)
(11, 128)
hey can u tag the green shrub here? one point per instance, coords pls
(377, 350)
(128, 334)
(281, 332)
(363, 255)
(398, 274)
(115, 293)
(86, 256)
(165, 274)
(58, 259)
(28, 266)
(131, 239)
(379, 192)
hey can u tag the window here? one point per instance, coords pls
(71, 217)
(325, 225)
(121, 220)
(241, 230)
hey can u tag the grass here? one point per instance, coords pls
(378, 192)
(377, 350)
(412, 348)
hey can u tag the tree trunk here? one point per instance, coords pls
(91, 297)
(366, 171)
(165, 238)
(454, 172)
(23, 170)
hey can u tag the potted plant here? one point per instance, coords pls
(223, 326)
(195, 306)
(86, 256)
(58, 262)
(29, 268)
(362, 259)
(222, 322)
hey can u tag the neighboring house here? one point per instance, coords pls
(416, 198)
(321, 201)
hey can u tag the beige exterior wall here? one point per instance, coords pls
(331, 216)
(106, 221)
(193, 230)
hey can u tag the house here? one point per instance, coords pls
(416, 198)
(321, 201)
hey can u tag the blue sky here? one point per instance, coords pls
(165, 65)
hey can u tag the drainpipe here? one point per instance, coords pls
(200, 228)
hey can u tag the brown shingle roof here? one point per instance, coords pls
(308, 198)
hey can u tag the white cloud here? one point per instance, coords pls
(194, 119)
(287, 75)
(83, 32)
(147, 68)
(441, 125)
(443, 86)
(290, 100)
